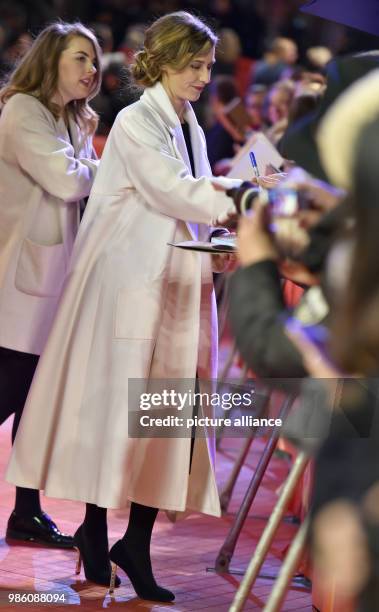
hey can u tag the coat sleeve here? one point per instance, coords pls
(48, 159)
(164, 180)
(256, 316)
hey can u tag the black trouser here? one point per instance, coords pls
(16, 375)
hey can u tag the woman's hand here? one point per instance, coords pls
(254, 242)
(271, 181)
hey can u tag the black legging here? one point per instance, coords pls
(16, 375)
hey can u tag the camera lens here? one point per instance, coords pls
(244, 196)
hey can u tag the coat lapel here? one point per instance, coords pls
(202, 167)
(180, 145)
(200, 157)
(157, 98)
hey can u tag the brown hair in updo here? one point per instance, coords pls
(172, 40)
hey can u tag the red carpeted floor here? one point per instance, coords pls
(182, 552)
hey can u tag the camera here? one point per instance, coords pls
(283, 204)
(282, 201)
(244, 196)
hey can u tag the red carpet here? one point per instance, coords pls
(182, 552)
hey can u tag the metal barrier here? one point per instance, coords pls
(266, 540)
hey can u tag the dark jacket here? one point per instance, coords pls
(257, 315)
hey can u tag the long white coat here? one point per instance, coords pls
(133, 307)
(42, 178)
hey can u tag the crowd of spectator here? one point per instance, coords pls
(269, 50)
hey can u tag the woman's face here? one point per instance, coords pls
(187, 84)
(76, 71)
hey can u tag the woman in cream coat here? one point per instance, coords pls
(134, 307)
(47, 166)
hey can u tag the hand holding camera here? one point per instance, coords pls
(277, 221)
(254, 241)
(292, 208)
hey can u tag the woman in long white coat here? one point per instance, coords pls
(47, 166)
(133, 308)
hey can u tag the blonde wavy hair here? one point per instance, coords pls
(37, 73)
(172, 40)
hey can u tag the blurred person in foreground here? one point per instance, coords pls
(340, 126)
(345, 511)
(134, 307)
(47, 167)
(345, 501)
(294, 247)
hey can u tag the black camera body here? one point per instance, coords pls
(244, 196)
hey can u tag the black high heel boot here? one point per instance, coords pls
(94, 570)
(143, 583)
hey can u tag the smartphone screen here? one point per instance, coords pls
(283, 202)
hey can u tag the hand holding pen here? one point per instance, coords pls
(269, 181)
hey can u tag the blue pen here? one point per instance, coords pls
(254, 164)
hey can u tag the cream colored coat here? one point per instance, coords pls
(133, 307)
(42, 177)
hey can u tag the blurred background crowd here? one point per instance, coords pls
(269, 54)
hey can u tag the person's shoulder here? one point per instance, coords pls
(138, 111)
(128, 111)
(137, 120)
(21, 104)
(22, 100)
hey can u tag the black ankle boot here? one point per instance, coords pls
(97, 567)
(139, 574)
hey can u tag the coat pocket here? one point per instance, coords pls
(136, 315)
(40, 269)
